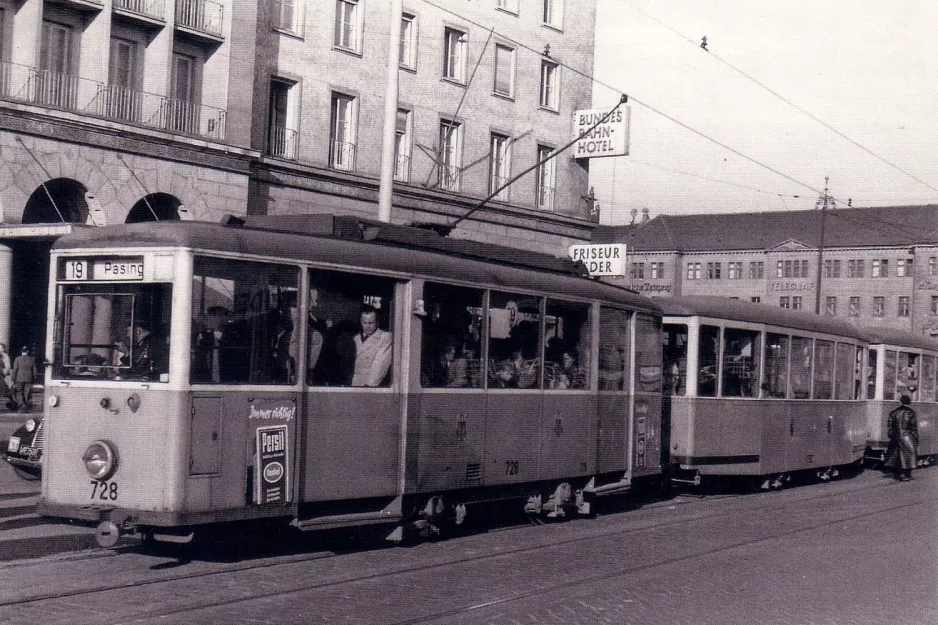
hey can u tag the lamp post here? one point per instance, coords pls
(822, 203)
(386, 185)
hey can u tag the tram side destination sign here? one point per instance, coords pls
(610, 138)
(606, 259)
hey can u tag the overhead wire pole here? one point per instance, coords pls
(386, 183)
(553, 154)
(822, 204)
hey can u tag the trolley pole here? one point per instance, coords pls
(386, 185)
(822, 203)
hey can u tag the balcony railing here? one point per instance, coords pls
(449, 177)
(282, 143)
(201, 15)
(545, 198)
(28, 85)
(402, 168)
(342, 155)
(155, 9)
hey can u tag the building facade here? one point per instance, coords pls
(878, 266)
(117, 111)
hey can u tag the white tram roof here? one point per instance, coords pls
(900, 338)
(364, 244)
(740, 310)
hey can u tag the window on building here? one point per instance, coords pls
(56, 85)
(549, 97)
(879, 306)
(734, 271)
(403, 144)
(454, 54)
(713, 270)
(288, 15)
(657, 270)
(933, 265)
(831, 306)
(797, 302)
(183, 113)
(780, 269)
(123, 100)
(855, 268)
(500, 165)
(853, 307)
(342, 132)
(934, 305)
(903, 310)
(508, 5)
(281, 135)
(755, 299)
(553, 13)
(545, 179)
(880, 268)
(348, 25)
(831, 268)
(504, 70)
(408, 52)
(784, 301)
(756, 270)
(693, 271)
(638, 271)
(904, 267)
(450, 155)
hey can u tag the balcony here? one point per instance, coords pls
(282, 143)
(342, 155)
(148, 12)
(27, 85)
(81, 5)
(201, 18)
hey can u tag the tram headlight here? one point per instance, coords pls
(100, 460)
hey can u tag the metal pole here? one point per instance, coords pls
(820, 250)
(386, 186)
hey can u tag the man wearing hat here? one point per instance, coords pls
(902, 453)
(23, 374)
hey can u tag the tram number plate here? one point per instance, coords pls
(512, 467)
(103, 490)
(77, 270)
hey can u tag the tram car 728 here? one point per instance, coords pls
(327, 371)
(760, 392)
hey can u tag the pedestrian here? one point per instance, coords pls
(23, 374)
(6, 379)
(902, 452)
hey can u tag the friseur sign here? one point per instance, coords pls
(610, 138)
(607, 259)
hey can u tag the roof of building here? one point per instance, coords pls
(885, 226)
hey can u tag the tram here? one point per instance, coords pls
(328, 371)
(760, 392)
(901, 363)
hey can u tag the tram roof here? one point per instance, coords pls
(365, 244)
(900, 338)
(739, 310)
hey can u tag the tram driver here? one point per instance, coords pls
(373, 351)
(149, 352)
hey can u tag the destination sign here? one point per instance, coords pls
(121, 270)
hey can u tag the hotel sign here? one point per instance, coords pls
(610, 138)
(606, 259)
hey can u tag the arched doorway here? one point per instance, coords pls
(155, 207)
(59, 200)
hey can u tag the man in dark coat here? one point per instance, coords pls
(902, 453)
(24, 373)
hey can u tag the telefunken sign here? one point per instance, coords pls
(601, 260)
(610, 138)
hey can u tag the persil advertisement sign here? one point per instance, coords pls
(610, 138)
(272, 465)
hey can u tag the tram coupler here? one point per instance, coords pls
(694, 480)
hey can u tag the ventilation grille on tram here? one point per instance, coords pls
(473, 472)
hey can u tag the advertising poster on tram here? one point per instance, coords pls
(271, 466)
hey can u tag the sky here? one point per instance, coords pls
(867, 68)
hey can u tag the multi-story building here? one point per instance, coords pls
(878, 266)
(117, 111)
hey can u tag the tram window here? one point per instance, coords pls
(451, 355)
(741, 358)
(353, 315)
(776, 366)
(907, 375)
(858, 374)
(567, 350)
(801, 355)
(871, 364)
(708, 354)
(675, 359)
(243, 322)
(844, 372)
(928, 378)
(114, 331)
(889, 376)
(613, 348)
(647, 354)
(823, 369)
(514, 341)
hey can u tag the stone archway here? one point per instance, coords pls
(59, 200)
(155, 207)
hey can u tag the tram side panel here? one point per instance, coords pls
(449, 434)
(612, 432)
(567, 435)
(717, 436)
(512, 434)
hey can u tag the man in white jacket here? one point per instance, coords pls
(373, 351)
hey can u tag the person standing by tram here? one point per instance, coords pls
(902, 453)
(372, 351)
(23, 374)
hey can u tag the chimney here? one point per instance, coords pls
(645, 217)
(634, 213)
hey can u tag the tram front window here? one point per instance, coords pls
(113, 331)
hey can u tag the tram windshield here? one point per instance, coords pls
(113, 331)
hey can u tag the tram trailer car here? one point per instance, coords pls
(206, 373)
(759, 392)
(901, 363)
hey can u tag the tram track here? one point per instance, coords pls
(443, 559)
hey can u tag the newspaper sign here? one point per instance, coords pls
(610, 138)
